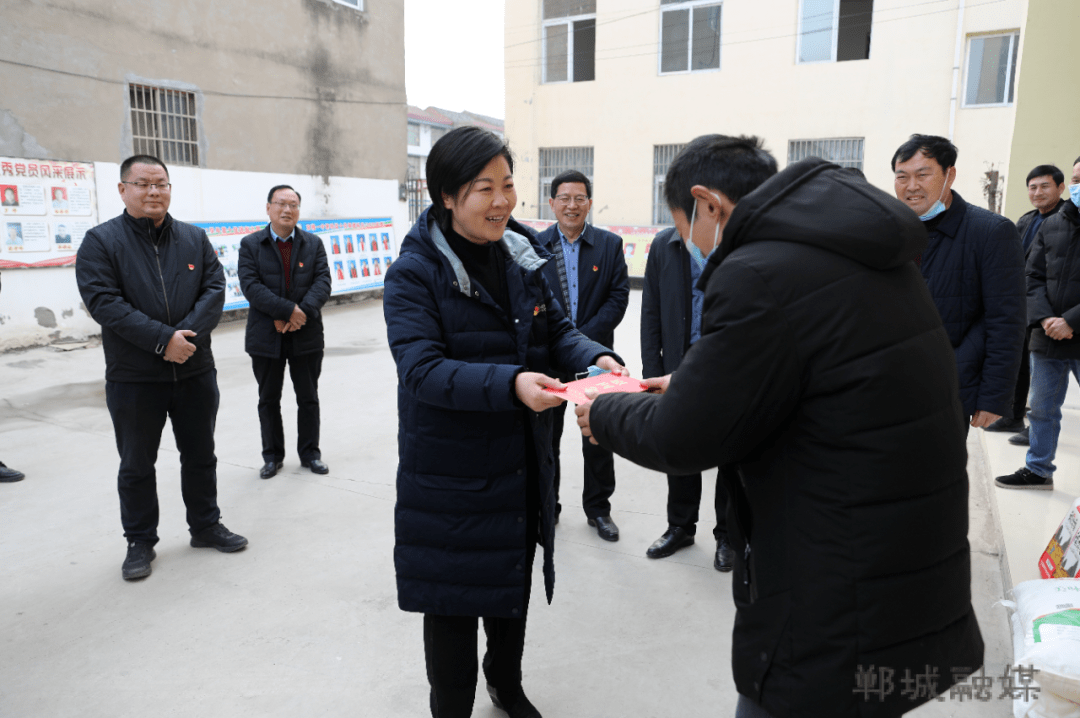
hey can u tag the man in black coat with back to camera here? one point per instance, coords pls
(157, 289)
(822, 362)
(285, 277)
(588, 273)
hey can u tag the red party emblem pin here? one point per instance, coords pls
(595, 268)
(536, 310)
(301, 264)
(191, 267)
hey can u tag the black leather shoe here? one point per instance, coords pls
(605, 528)
(137, 563)
(317, 466)
(673, 539)
(725, 556)
(219, 537)
(270, 469)
(1021, 439)
(514, 703)
(9, 476)
(1007, 425)
(1024, 478)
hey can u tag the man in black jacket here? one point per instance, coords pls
(1045, 185)
(285, 277)
(974, 268)
(671, 308)
(157, 289)
(1053, 311)
(588, 266)
(822, 360)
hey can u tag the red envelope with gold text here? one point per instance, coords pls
(603, 384)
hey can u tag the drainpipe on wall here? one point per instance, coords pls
(957, 57)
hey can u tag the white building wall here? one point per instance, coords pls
(40, 306)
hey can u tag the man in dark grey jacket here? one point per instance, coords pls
(286, 279)
(157, 289)
(1053, 311)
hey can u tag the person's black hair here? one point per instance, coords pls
(936, 148)
(275, 188)
(1043, 170)
(125, 167)
(1076, 161)
(735, 166)
(571, 176)
(456, 160)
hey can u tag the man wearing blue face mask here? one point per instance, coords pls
(974, 268)
(1053, 284)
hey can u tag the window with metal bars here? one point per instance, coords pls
(556, 160)
(662, 158)
(844, 151)
(164, 124)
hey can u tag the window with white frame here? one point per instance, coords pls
(662, 158)
(164, 124)
(569, 40)
(556, 160)
(414, 134)
(689, 35)
(991, 70)
(357, 4)
(834, 30)
(844, 151)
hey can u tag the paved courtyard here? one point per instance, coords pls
(304, 621)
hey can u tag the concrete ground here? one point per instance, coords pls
(305, 620)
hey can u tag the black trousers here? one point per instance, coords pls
(138, 414)
(1023, 379)
(599, 469)
(684, 498)
(304, 370)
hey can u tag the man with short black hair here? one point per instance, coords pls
(285, 277)
(589, 267)
(1045, 185)
(157, 289)
(821, 359)
(974, 268)
(1053, 311)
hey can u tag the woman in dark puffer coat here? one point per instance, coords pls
(476, 335)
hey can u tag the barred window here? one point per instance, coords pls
(164, 124)
(556, 160)
(844, 151)
(662, 158)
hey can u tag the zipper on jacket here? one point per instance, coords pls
(1062, 285)
(747, 580)
(165, 294)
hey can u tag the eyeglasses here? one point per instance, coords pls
(565, 199)
(287, 205)
(143, 186)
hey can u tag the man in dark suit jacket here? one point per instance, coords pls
(671, 309)
(286, 279)
(588, 274)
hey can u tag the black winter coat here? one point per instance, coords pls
(1025, 221)
(262, 279)
(822, 364)
(460, 541)
(974, 267)
(603, 282)
(142, 292)
(1053, 282)
(666, 314)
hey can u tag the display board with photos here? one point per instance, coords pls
(359, 252)
(46, 207)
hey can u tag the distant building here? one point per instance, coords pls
(425, 127)
(615, 88)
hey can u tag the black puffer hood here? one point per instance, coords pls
(818, 203)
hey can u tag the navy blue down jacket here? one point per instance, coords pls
(460, 539)
(974, 268)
